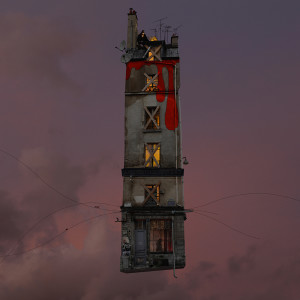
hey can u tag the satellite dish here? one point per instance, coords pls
(122, 45)
(125, 58)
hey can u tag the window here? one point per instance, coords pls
(154, 53)
(151, 194)
(152, 83)
(140, 224)
(161, 236)
(150, 56)
(152, 156)
(152, 118)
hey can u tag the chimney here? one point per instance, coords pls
(174, 40)
(132, 31)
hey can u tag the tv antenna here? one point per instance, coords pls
(176, 28)
(166, 31)
(160, 25)
(154, 31)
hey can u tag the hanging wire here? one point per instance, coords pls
(204, 211)
(247, 194)
(25, 233)
(57, 236)
(228, 226)
(48, 184)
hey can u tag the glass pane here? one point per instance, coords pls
(150, 54)
(147, 156)
(157, 156)
(157, 118)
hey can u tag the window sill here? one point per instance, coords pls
(151, 130)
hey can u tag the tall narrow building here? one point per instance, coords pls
(153, 208)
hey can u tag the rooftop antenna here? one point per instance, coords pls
(160, 25)
(166, 31)
(155, 31)
(176, 28)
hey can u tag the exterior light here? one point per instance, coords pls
(185, 161)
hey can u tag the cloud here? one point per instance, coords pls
(237, 264)
(93, 273)
(52, 184)
(34, 47)
(11, 219)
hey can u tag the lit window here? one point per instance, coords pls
(152, 118)
(152, 83)
(154, 53)
(150, 56)
(152, 156)
(161, 236)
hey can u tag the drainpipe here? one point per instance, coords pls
(173, 246)
(176, 158)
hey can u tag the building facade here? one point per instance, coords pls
(153, 208)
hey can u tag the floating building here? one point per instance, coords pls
(153, 212)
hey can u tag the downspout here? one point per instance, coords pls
(174, 257)
(176, 133)
(176, 160)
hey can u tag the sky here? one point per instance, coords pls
(62, 137)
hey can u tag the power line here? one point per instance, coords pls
(246, 194)
(46, 183)
(58, 235)
(205, 211)
(228, 226)
(21, 238)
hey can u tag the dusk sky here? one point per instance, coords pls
(62, 134)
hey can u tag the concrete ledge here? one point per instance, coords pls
(152, 172)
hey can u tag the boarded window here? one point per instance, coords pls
(152, 155)
(152, 118)
(161, 236)
(152, 194)
(152, 83)
(154, 53)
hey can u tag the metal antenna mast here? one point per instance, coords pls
(176, 28)
(160, 25)
(166, 31)
(155, 31)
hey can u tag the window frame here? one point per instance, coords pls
(160, 229)
(152, 155)
(152, 118)
(152, 191)
(151, 84)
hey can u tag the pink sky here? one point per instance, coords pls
(62, 109)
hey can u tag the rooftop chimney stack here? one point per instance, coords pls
(132, 31)
(174, 40)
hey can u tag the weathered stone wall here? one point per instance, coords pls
(136, 136)
(154, 260)
(134, 192)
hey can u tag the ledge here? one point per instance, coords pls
(152, 172)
